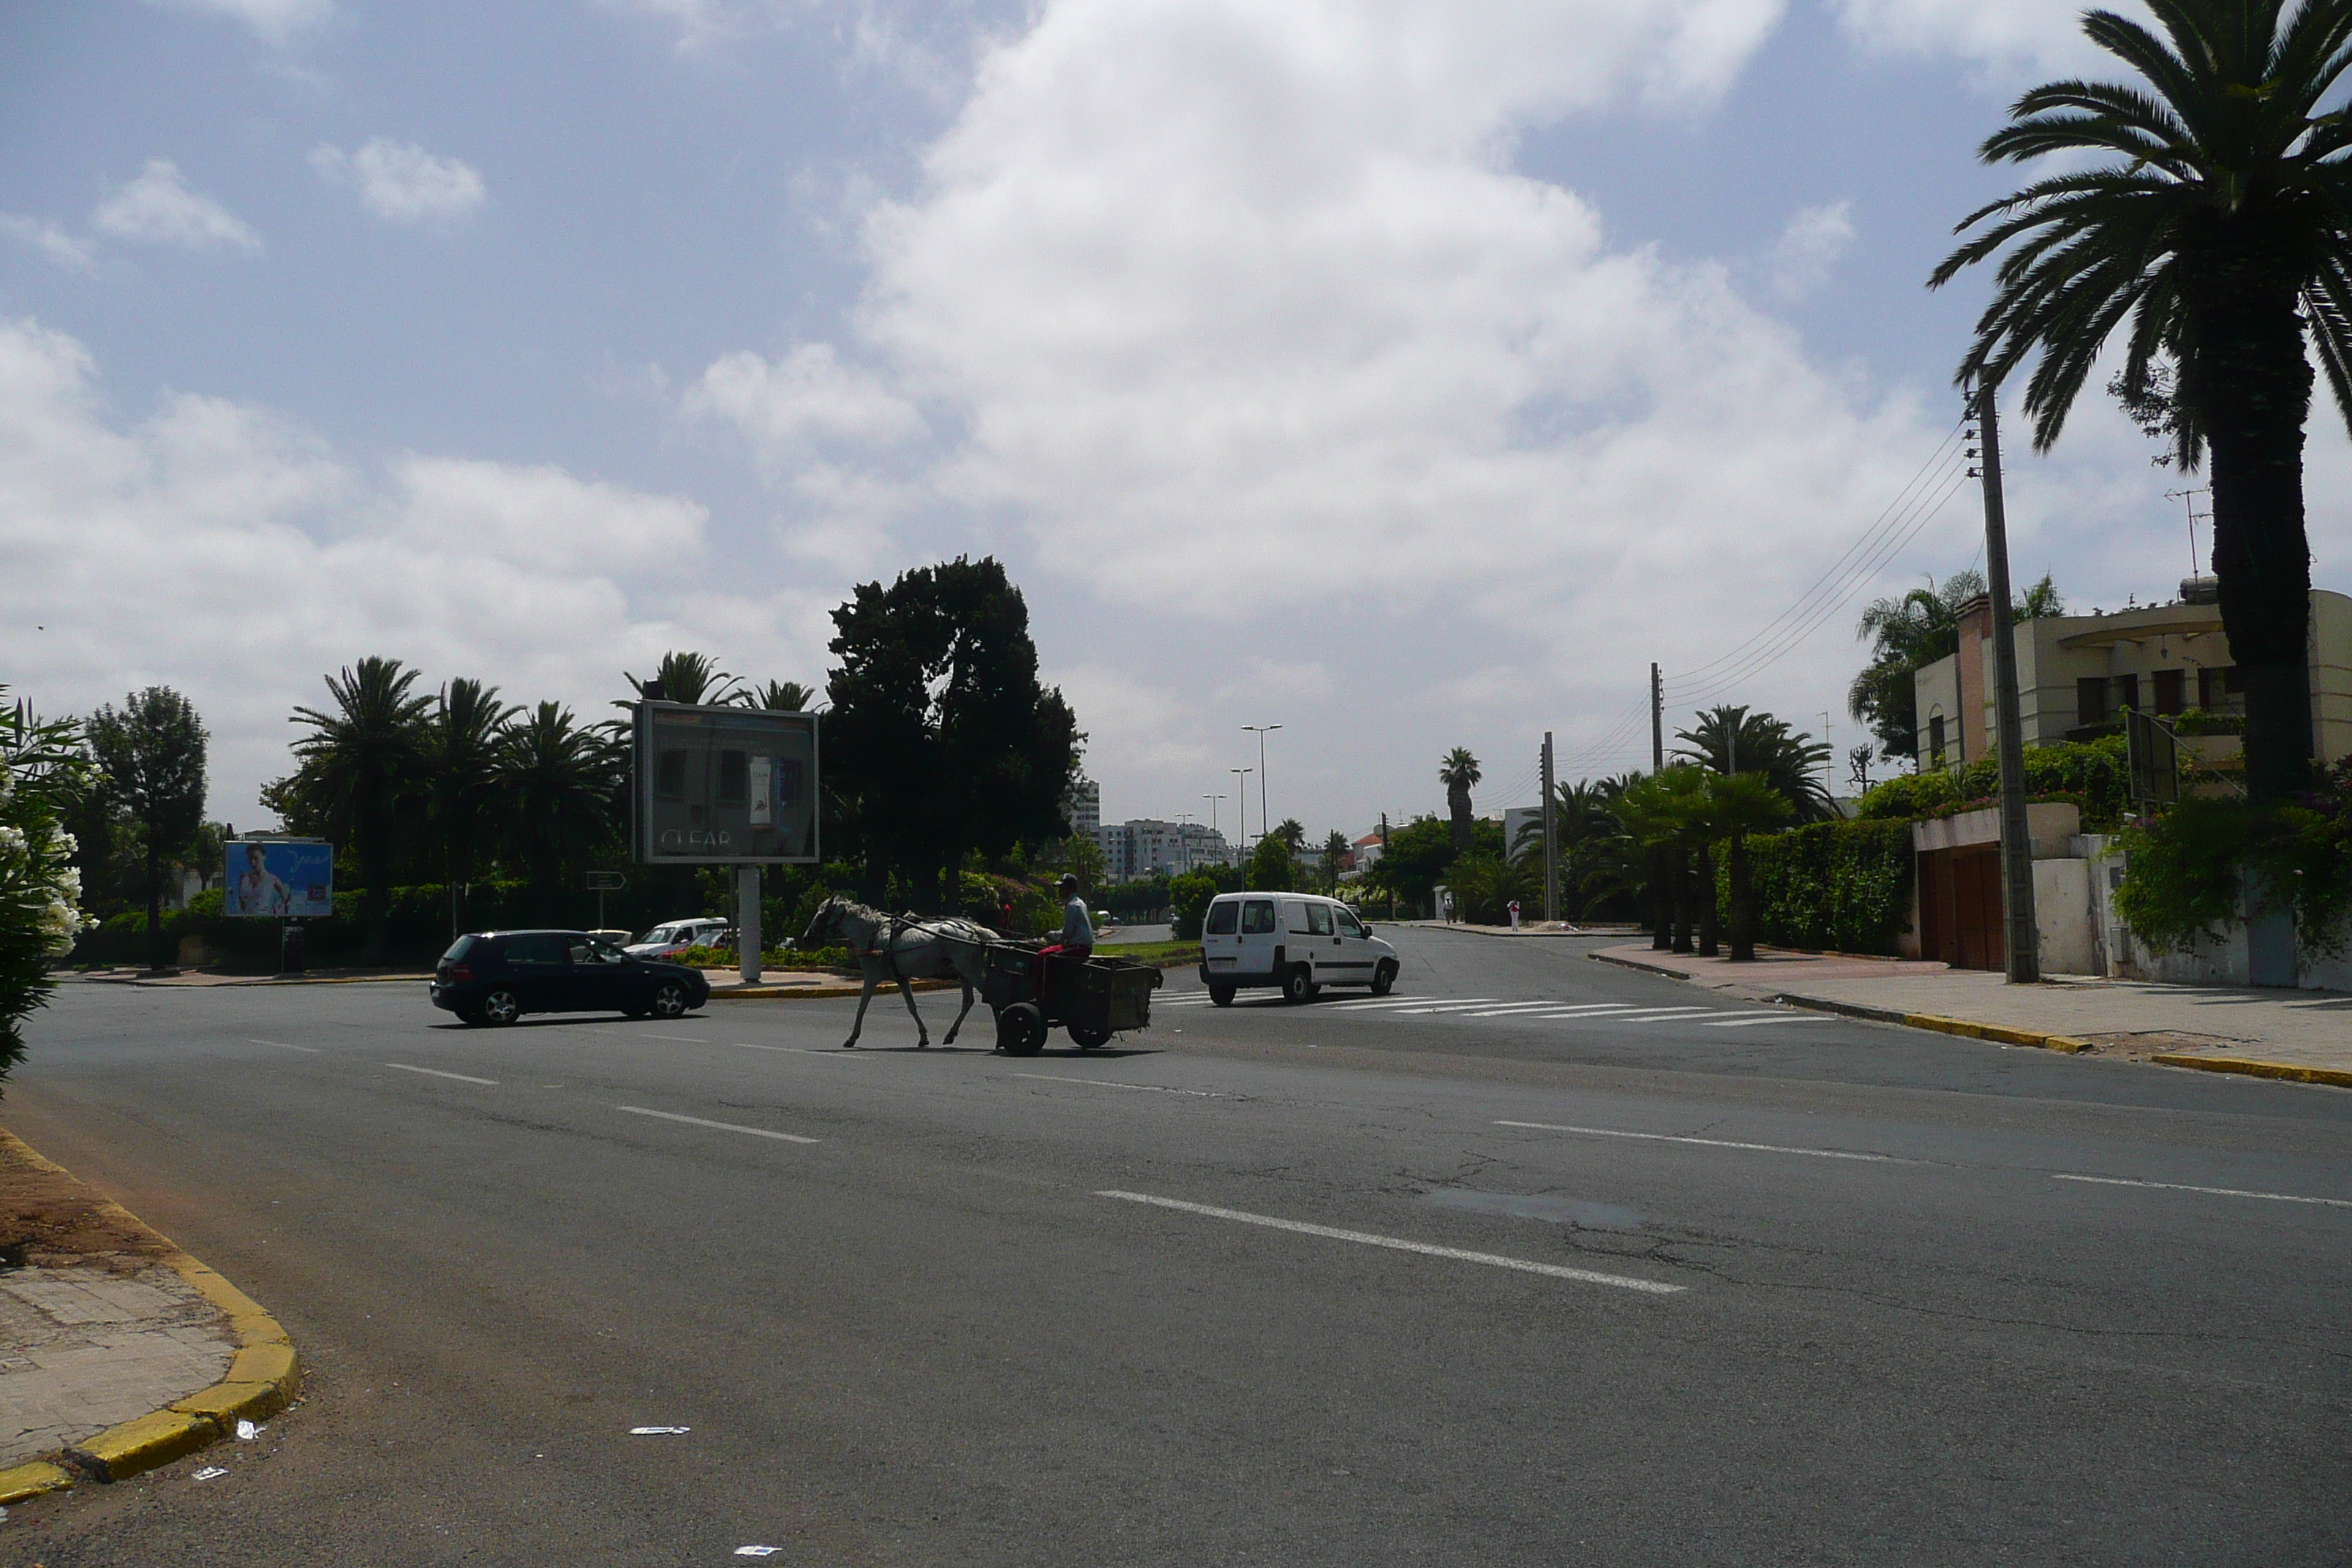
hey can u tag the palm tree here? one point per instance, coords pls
(359, 760)
(1459, 773)
(555, 786)
(1337, 852)
(1742, 804)
(1730, 740)
(463, 742)
(2222, 228)
(1657, 812)
(783, 696)
(1910, 633)
(693, 677)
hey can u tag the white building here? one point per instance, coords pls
(1148, 846)
(1082, 806)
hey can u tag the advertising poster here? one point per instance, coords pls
(725, 785)
(279, 877)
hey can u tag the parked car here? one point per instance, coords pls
(1298, 942)
(673, 937)
(497, 976)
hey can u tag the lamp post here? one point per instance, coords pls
(1241, 788)
(1212, 800)
(1184, 841)
(1264, 823)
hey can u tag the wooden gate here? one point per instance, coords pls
(1960, 919)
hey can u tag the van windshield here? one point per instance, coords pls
(1222, 917)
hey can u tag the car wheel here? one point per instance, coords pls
(1089, 1039)
(1021, 1030)
(1223, 995)
(499, 1007)
(1383, 978)
(669, 999)
(1298, 985)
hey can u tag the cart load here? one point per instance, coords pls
(1094, 999)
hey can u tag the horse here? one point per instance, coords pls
(902, 948)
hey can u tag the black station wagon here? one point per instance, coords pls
(496, 976)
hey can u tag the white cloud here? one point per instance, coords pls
(274, 22)
(52, 241)
(2006, 40)
(808, 396)
(158, 207)
(401, 181)
(222, 550)
(1809, 247)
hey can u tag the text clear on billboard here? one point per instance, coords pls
(279, 877)
(725, 785)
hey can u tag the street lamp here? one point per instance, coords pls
(1265, 823)
(1185, 840)
(1242, 789)
(1212, 800)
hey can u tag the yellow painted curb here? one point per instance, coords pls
(18, 1483)
(2000, 1033)
(262, 1380)
(2253, 1068)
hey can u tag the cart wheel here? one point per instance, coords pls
(1021, 1030)
(1089, 1039)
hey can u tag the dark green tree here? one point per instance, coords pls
(784, 697)
(2218, 235)
(464, 736)
(1741, 805)
(357, 764)
(1337, 852)
(1459, 771)
(1731, 740)
(1272, 867)
(1415, 861)
(941, 732)
(44, 771)
(555, 786)
(692, 678)
(152, 755)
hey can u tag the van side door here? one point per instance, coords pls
(1221, 941)
(1352, 965)
(1259, 937)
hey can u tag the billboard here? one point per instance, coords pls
(279, 877)
(725, 785)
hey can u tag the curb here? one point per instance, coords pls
(2000, 1034)
(2250, 1067)
(262, 1379)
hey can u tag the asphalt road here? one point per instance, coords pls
(1588, 1267)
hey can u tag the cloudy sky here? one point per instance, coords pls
(1405, 373)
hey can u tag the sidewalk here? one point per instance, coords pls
(2300, 1035)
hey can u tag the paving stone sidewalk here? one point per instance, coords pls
(84, 1347)
(2127, 1018)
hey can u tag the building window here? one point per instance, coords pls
(2126, 691)
(2169, 694)
(2091, 700)
(1935, 738)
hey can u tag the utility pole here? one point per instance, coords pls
(1551, 859)
(1212, 800)
(1264, 823)
(1241, 788)
(2024, 930)
(1657, 722)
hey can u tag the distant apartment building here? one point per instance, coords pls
(1149, 847)
(1082, 806)
(2076, 674)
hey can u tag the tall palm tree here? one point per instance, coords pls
(783, 696)
(1729, 739)
(1459, 773)
(693, 677)
(2221, 228)
(463, 740)
(359, 760)
(555, 785)
(1742, 804)
(1657, 811)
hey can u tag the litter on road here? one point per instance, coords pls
(246, 1431)
(659, 1431)
(208, 1473)
(757, 1550)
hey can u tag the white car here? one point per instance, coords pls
(675, 937)
(1297, 942)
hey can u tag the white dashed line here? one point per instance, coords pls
(1707, 1143)
(437, 1072)
(1750, 1020)
(1396, 1244)
(720, 1126)
(2209, 1192)
(284, 1047)
(1109, 1083)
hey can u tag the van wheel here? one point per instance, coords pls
(1298, 985)
(1384, 979)
(1221, 996)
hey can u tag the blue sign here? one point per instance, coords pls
(277, 877)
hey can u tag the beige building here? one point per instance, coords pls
(2076, 674)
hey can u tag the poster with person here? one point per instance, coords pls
(279, 878)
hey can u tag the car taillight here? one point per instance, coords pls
(459, 972)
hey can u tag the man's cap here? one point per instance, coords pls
(1069, 880)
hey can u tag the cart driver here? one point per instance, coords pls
(1077, 938)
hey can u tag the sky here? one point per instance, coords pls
(1404, 373)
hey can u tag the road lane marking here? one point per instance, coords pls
(1111, 1083)
(721, 1126)
(1507, 1008)
(1708, 1142)
(1748, 1020)
(1397, 1243)
(2211, 1192)
(1427, 1007)
(437, 1072)
(284, 1047)
(1647, 1014)
(682, 1039)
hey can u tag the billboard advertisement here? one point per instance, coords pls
(279, 877)
(720, 786)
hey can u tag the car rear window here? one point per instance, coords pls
(1223, 918)
(538, 947)
(457, 949)
(1257, 917)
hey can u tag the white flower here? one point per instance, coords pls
(12, 842)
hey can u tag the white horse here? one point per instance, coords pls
(902, 948)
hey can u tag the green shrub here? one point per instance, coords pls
(1189, 897)
(2091, 774)
(1843, 885)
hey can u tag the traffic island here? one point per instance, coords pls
(118, 1352)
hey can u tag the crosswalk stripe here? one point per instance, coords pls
(1776, 1018)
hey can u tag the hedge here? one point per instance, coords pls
(1842, 886)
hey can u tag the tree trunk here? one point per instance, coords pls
(1662, 902)
(1680, 880)
(1708, 946)
(2248, 383)
(156, 957)
(1743, 904)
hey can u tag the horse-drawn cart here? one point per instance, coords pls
(1094, 999)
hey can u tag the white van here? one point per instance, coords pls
(1299, 941)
